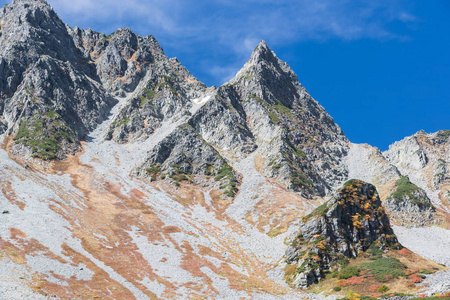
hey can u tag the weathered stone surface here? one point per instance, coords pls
(222, 123)
(345, 226)
(185, 157)
(264, 107)
(409, 205)
(298, 141)
(424, 158)
(166, 93)
(121, 58)
(44, 77)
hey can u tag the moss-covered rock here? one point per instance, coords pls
(47, 135)
(409, 204)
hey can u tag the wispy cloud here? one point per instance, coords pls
(222, 31)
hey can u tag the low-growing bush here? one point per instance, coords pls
(383, 288)
(384, 268)
(349, 271)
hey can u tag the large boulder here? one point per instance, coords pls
(345, 226)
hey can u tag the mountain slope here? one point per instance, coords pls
(424, 158)
(124, 177)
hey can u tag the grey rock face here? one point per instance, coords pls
(121, 58)
(424, 158)
(222, 123)
(347, 225)
(263, 107)
(410, 156)
(166, 93)
(410, 204)
(43, 77)
(301, 145)
(185, 157)
(125, 62)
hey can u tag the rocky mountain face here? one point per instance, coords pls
(409, 204)
(50, 96)
(265, 109)
(157, 186)
(300, 145)
(185, 156)
(406, 203)
(344, 227)
(424, 158)
(296, 140)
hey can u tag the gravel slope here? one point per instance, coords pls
(432, 243)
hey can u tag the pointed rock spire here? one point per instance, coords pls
(261, 53)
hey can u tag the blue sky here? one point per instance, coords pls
(380, 68)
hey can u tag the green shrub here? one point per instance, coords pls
(280, 107)
(383, 268)
(375, 251)
(148, 95)
(44, 134)
(153, 171)
(383, 288)
(299, 153)
(274, 117)
(226, 172)
(351, 182)
(349, 271)
(337, 289)
(300, 180)
(406, 188)
(319, 211)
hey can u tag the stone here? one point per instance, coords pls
(348, 224)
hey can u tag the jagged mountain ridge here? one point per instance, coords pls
(249, 158)
(298, 138)
(247, 114)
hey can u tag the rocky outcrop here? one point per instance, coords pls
(121, 58)
(48, 91)
(222, 123)
(265, 107)
(299, 140)
(408, 154)
(409, 204)
(184, 156)
(167, 92)
(424, 158)
(368, 164)
(126, 63)
(423, 153)
(412, 176)
(345, 226)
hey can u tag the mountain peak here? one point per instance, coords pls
(262, 55)
(262, 45)
(262, 52)
(29, 1)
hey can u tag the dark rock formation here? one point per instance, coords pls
(348, 224)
